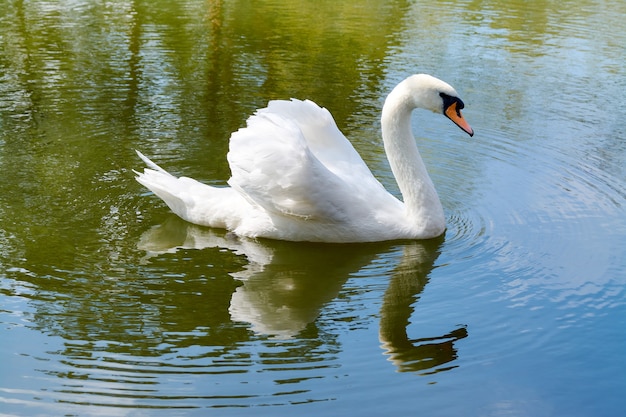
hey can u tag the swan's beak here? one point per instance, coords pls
(453, 113)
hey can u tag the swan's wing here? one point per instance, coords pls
(291, 159)
(322, 136)
(272, 166)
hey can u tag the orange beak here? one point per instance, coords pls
(455, 115)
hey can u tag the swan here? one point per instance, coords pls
(295, 176)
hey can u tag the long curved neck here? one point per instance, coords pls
(422, 203)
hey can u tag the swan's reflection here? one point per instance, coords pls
(407, 282)
(286, 284)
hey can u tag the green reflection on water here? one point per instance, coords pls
(86, 83)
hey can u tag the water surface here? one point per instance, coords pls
(110, 305)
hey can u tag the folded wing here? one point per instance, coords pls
(292, 160)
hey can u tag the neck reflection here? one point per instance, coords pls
(424, 354)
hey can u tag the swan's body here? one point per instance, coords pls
(296, 177)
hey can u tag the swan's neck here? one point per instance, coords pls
(423, 208)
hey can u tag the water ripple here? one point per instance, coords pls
(230, 380)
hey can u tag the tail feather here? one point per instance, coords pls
(164, 185)
(150, 164)
(192, 200)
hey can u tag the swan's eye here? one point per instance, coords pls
(449, 100)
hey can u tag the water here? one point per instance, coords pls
(109, 305)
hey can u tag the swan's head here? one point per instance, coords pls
(427, 92)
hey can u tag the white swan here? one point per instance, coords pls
(296, 177)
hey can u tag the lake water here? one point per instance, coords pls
(110, 305)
